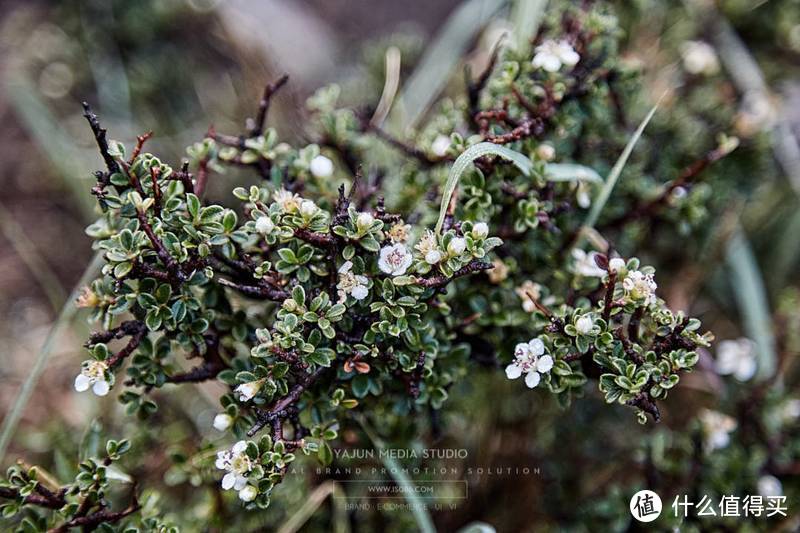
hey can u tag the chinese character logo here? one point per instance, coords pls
(645, 506)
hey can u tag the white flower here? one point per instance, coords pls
(440, 145)
(736, 357)
(545, 152)
(699, 58)
(349, 283)
(93, 374)
(321, 167)
(529, 359)
(770, 486)
(248, 493)
(616, 264)
(550, 55)
(308, 208)
(716, 429)
(394, 259)
(288, 201)
(480, 230)
(529, 292)
(457, 246)
(237, 464)
(265, 225)
(640, 287)
(427, 243)
(585, 264)
(222, 422)
(584, 324)
(433, 257)
(247, 391)
(364, 221)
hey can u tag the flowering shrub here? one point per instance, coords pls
(329, 288)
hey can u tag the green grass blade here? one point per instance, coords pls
(553, 172)
(526, 16)
(25, 392)
(444, 54)
(751, 298)
(605, 193)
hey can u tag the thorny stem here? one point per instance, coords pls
(169, 262)
(263, 105)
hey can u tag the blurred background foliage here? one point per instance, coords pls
(177, 66)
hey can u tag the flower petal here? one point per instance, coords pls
(82, 383)
(532, 379)
(240, 483)
(101, 387)
(536, 346)
(228, 481)
(544, 364)
(239, 447)
(513, 371)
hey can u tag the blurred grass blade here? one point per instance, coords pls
(751, 298)
(312, 503)
(418, 508)
(24, 394)
(441, 57)
(571, 172)
(526, 16)
(605, 193)
(37, 266)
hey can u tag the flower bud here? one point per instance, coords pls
(480, 230)
(584, 324)
(308, 208)
(433, 257)
(364, 221)
(248, 493)
(222, 421)
(616, 264)
(265, 225)
(457, 246)
(321, 167)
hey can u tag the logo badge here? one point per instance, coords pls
(645, 506)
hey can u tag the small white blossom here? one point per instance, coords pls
(349, 283)
(640, 287)
(248, 493)
(457, 246)
(530, 359)
(288, 201)
(440, 145)
(545, 152)
(529, 292)
(480, 230)
(737, 358)
(585, 264)
(265, 225)
(247, 391)
(93, 374)
(770, 486)
(237, 464)
(394, 259)
(699, 58)
(364, 221)
(716, 429)
(427, 243)
(308, 208)
(616, 264)
(321, 167)
(551, 55)
(584, 324)
(222, 421)
(433, 257)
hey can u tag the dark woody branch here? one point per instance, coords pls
(281, 408)
(442, 280)
(100, 137)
